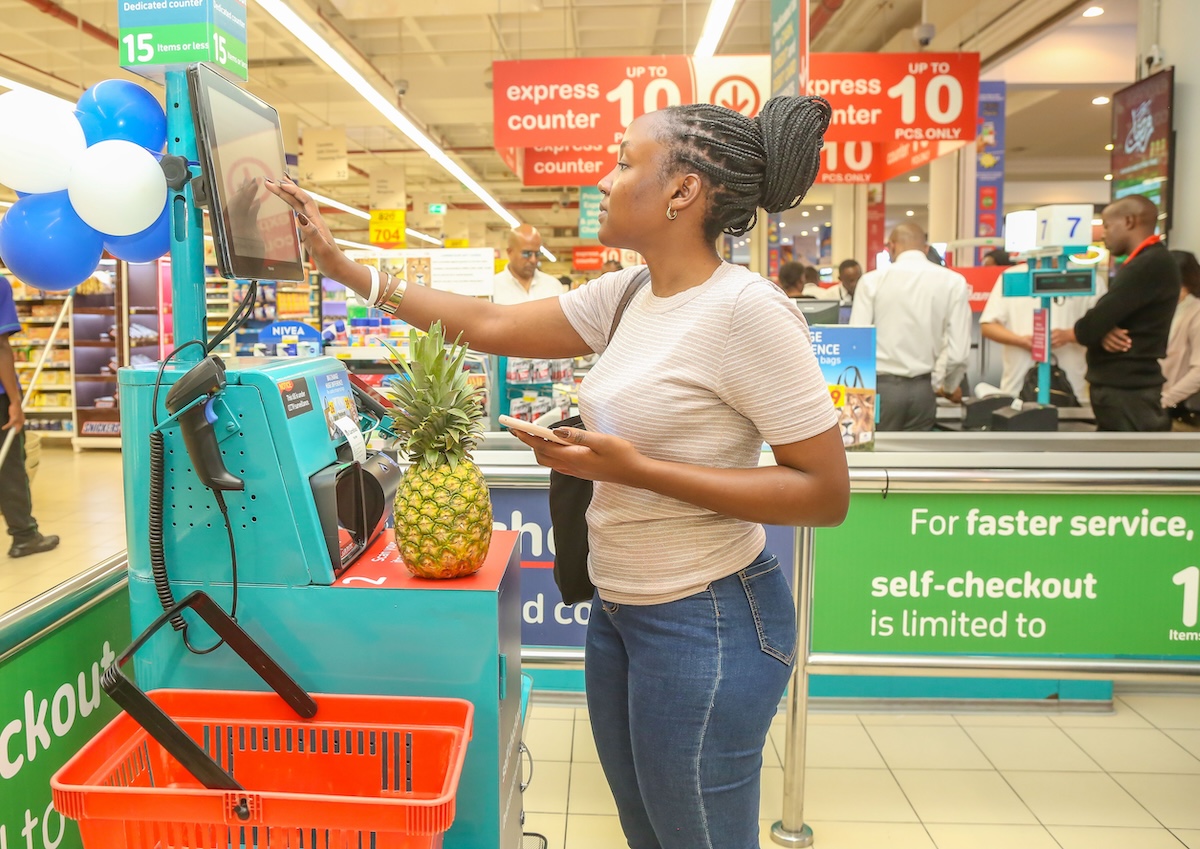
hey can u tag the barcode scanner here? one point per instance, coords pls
(206, 378)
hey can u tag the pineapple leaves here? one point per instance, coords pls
(439, 413)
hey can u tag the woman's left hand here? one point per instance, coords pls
(591, 456)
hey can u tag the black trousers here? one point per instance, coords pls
(15, 501)
(1138, 410)
(906, 403)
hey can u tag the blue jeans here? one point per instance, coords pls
(681, 697)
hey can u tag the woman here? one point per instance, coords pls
(1181, 366)
(692, 635)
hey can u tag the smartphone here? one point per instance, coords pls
(532, 429)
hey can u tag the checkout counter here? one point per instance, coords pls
(951, 549)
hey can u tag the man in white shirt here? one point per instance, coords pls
(522, 281)
(1009, 321)
(922, 321)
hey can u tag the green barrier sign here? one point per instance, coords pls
(155, 34)
(50, 705)
(1011, 574)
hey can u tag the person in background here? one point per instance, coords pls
(566, 283)
(611, 265)
(812, 282)
(1009, 322)
(1181, 366)
(1126, 331)
(999, 256)
(16, 502)
(933, 256)
(522, 280)
(791, 279)
(692, 638)
(922, 321)
(849, 273)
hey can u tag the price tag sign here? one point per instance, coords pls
(838, 394)
(387, 228)
(157, 35)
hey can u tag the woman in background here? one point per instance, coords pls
(1181, 366)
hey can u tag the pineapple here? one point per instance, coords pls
(443, 511)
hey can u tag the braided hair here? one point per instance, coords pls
(769, 161)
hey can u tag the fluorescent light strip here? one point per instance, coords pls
(424, 237)
(6, 203)
(548, 255)
(719, 12)
(346, 243)
(337, 204)
(307, 36)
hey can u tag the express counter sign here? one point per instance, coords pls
(876, 97)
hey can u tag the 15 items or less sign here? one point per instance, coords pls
(163, 33)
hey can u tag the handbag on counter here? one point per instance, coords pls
(571, 496)
(1062, 394)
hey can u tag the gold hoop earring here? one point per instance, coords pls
(672, 213)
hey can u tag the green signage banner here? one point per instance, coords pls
(1010, 574)
(50, 705)
(156, 34)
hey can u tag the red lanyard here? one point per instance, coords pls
(1150, 240)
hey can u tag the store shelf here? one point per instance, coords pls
(51, 296)
(34, 411)
(95, 343)
(46, 367)
(21, 342)
(96, 377)
(367, 354)
(51, 434)
(94, 310)
(38, 319)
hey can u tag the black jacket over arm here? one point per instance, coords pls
(1141, 300)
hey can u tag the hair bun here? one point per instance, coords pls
(793, 133)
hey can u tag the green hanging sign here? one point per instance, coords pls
(156, 35)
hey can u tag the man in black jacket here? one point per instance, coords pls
(1125, 333)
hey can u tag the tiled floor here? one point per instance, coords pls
(78, 497)
(1129, 780)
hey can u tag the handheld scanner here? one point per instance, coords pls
(206, 378)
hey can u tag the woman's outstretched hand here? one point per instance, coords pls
(314, 232)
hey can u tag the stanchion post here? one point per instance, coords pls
(791, 830)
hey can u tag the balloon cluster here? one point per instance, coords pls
(88, 180)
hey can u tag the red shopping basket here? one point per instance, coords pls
(205, 769)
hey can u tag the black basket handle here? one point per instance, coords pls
(161, 727)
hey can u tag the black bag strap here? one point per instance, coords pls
(639, 280)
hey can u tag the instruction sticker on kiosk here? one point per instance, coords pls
(337, 401)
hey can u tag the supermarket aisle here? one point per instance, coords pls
(935, 781)
(79, 497)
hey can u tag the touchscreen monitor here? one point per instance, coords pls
(240, 145)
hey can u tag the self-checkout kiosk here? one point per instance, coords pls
(1060, 265)
(250, 479)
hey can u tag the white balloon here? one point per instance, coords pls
(117, 187)
(40, 138)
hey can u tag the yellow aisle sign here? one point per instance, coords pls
(387, 228)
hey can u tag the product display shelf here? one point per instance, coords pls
(97, 326)
(532, 390)
(50, 404)
(218, 298)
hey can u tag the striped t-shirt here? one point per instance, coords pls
(702, 377)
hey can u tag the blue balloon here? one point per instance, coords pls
(46, 245)
(119, 109)
(145, 246)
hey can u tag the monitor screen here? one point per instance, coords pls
(1063, 283)
(240, 145)
(818, 312)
